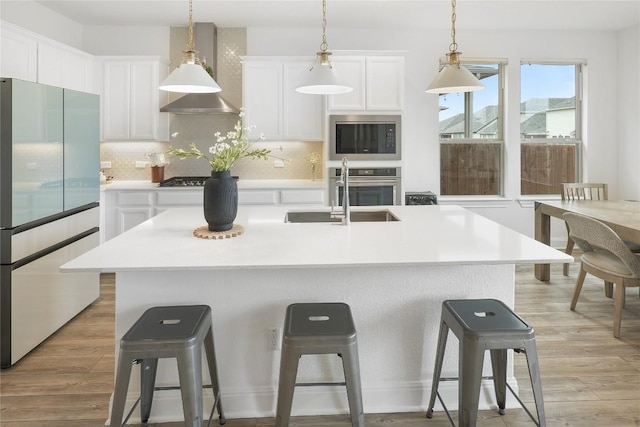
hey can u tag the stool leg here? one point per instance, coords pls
(536, 384)
(213, 371)
(190, 372)
(351, 369)
(499, 368)
(437, 371)
(123, 373)
(288, 372)
(470, 367)
(148, 370)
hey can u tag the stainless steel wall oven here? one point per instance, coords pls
(367, 186)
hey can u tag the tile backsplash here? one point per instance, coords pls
(124, 155)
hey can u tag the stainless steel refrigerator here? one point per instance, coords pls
(49, 209)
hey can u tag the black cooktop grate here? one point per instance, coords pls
(184, 181)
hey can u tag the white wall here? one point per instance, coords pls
(42, 20)
(628, 122)
(113, 40)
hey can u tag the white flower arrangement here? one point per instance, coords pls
(227, 149)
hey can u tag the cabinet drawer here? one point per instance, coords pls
(141, 198)
(179, 198)
(303, 197)
(266, 197)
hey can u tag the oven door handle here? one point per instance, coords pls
(372, 181)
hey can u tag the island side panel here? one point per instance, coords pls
(396, 311)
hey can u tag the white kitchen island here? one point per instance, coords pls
(394, 275)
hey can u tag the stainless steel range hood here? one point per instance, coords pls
(205, 37)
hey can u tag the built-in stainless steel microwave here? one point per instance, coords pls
(365, 137)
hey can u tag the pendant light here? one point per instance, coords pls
(321, 78)
(454, 77)
(190, 76)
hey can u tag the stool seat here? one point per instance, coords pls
(486, 318)
(319, 328)
(480, 325)
(167, 326)
(319, 325)
(161, 332)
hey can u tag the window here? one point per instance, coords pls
(471, 138)
(550, 117)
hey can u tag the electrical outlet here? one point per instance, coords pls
(105, 165)
(275, 338)
(278, 163)
(141, 164)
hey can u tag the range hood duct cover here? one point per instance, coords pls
(205, 35)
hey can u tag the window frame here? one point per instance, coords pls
(577, 141)
(468, 123)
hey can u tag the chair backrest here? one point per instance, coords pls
(590, 235)
(584, 191)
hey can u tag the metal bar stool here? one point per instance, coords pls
(484, 324)
(162, 332)
(319, 328)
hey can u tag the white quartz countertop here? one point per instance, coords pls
(425, 235)
(243, 184)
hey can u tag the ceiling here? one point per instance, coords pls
(432, 14)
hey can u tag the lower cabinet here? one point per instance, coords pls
(124, 209)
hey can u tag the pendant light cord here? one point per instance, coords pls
(324, 45)
(453, 47)
(190, 44)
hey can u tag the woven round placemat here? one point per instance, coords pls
(204, 232)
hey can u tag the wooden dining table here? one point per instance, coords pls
(623, 216)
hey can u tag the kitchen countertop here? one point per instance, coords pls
(243, 184)
(425, 235)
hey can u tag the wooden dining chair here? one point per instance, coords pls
(581, 191)
(605, 256)
(586, 191)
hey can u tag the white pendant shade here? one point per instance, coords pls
(322, 80)
(454, 78)
(190, 78)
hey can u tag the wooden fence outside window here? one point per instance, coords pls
(474, 168)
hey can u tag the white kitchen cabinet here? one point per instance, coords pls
(62, 66)
(258, 197)
(124, 209)
(131, 100)
(32, 57)
(377, 81)
(303, 114)
(272, 104)
(307, 196)
(350, 72)
(19, 54)
(130, 217)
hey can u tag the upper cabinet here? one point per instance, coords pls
(131, 100)
(19, 54)
(377, 81)
(273, 106)
(65, 67)
(31, 57)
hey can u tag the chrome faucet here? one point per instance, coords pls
(344, 180)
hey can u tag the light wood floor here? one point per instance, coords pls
(589, 378)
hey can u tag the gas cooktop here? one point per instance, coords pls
(184, 181)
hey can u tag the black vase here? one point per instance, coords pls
(220, 201)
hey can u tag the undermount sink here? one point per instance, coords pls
(356, 216)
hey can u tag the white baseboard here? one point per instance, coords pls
(384, 398)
